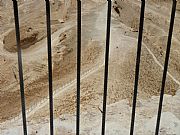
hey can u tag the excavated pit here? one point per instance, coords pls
(28, 37)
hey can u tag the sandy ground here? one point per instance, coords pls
(35, 65)
(121, 68)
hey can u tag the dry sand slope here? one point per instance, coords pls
(35, 57)
(124, 32)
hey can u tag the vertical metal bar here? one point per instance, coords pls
(138, 59)
(23, 105)
(78, 65)
(166, 65)
(106, 66)
(48, 21)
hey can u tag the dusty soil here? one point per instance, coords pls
(124, 33)
(121, 77)
(35, 69)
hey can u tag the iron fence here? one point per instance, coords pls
(137, 69)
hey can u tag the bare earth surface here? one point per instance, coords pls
(123, 45)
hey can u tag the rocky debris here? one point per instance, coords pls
(62, 36)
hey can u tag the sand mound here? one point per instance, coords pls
(29, 36)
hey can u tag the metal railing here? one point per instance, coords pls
(16, 17)
(138, 59)
(78, 66)
(48, 21)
